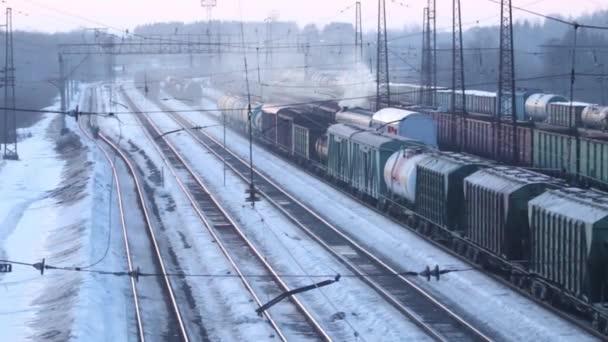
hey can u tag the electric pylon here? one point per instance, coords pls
(505, 100)
(383, 94)
(429, 59)
(458, 105)
(10, 119)
(358, 34)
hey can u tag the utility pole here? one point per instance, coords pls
(505, 100)
(429, 56)
(383, 93)
(268, 44)
(209, 5)
(358, 34)
(458, 83)
(10, 119)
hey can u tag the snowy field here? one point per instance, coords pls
(55, 204)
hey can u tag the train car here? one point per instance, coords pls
(338, 158)
(408, 124)
(400, 174)
(355, 116)
(440, 187)
(479, 101)
(559, 113)
(482, 140)
(269, 114)
(358, 157)
(594, 162)
(325, 110)
(595, 117)
(537, 105)
(569, 230)
(496, 207)
(554, 152)
(521, 96)
(405, 93)
(322, 148)
(298, 132)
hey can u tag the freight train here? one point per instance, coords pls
(545, 238)
(530, 105)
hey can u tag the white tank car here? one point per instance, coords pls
(595, 117)
(406, 123)
(355, 116)
(400, 172)
(536, 105)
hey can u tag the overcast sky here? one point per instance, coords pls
(62, 15)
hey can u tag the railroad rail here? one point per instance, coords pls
(232, 241)
(183, 335)
(436, 319)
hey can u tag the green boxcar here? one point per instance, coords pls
(559, 113)
(338, 157)
(496, 206)
(358, 157)
(594, 159)
(569, 234)
(554, 151)
(301, 138)
(439, 187)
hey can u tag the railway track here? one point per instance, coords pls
(178, 329)
(418, 305)
(234, 244)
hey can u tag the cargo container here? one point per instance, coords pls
(439, 192)
(554, 152)
(569, 230)
(482, 102)
(338, 159)
(496, 206)
(406, 123)
(269, 122)
(594, 161)
(559, 113)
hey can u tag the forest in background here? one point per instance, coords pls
(541, 50)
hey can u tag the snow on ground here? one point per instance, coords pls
(513, 316)
(52, 206)
(220, 304)
(347, 309)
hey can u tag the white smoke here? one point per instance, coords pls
(358, 86)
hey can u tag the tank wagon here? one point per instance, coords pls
(406, 123)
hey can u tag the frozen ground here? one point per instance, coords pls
(219, 305)
(55, 204)
(512, 316)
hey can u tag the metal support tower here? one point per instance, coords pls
(458, 83)
(268, 43)
(383, 93)
(10, 119)
(429, 57)
(358, 34)
(209, 5)
(62, 87)
(505, 100)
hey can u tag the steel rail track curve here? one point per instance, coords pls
(149, 227)
(221, 225)
(440, 322)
